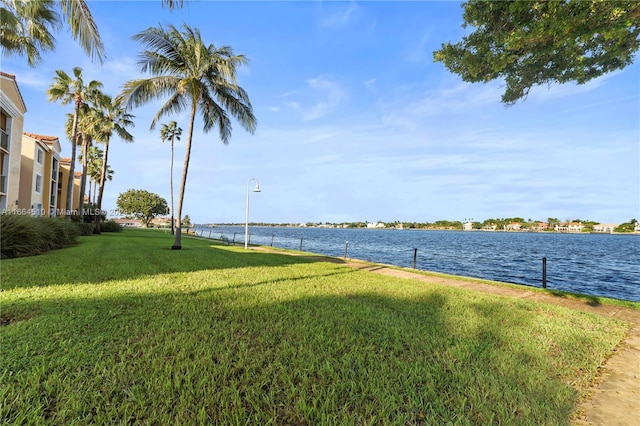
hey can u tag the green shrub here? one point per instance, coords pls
(85, 228)
(110, 226)
(28, 236)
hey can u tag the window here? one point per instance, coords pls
(4, 140)
(54, 170)
(39, 156)
(38, 183)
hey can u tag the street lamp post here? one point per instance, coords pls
(246, 221)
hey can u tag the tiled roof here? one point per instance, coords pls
(43, 138)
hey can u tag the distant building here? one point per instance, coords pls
(375, 225)
(129, 223)
(539, 227)
(513, 226)
(468, 226)
(606, 228)
(161, 222)
(568, 227)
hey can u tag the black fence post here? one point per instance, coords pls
(271, 240)
(415, 257)
(346, 247)
(301, 243)
(234, 238)
(544, 272)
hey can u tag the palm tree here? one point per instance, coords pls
(94, 170)
(170, 132)
(111, 117)
(89, 122)
(89, 157)
(196, 78)
(83, 138)
(66, 90)
(27, 26)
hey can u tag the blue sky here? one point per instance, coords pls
(357, 123)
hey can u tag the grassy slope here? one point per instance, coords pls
(120, 329)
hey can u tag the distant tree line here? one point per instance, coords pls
(493, 224)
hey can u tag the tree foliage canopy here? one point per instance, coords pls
(27, 27)
(143, 205)
(541, 42)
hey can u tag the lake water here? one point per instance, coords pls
(595, 264)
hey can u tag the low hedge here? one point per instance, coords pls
(110, 226)
(27, 236)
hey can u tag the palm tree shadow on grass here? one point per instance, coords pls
(135, 259)
(591, 300)
(386, 358)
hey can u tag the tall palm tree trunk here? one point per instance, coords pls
(72, 166)
(177, 244)
(89, 195)
(83, 181)
(173, 225)
(100, 190)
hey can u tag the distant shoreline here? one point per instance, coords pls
(509, 231)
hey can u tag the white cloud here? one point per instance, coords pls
(320, 96)
(334, 95)
(339, 18)
(419, 51)
(555, 91)
(371, 85)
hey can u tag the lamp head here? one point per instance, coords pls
(257, 188)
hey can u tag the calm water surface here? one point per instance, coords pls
(600, 265)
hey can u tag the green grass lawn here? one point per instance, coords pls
(122, 330)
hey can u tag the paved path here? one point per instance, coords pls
(615, 397)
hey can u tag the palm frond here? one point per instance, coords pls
(25, 28)
(214, 115)
(136, 93)
(83, 27)
(176, 104)
(171, 4)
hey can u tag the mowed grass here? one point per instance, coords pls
(122, 330)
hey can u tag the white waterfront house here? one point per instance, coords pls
(371, 225)
(605, 228)
(568, 227)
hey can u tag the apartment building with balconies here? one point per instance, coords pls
(63, 178)
(12, 110)
(40, 175)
